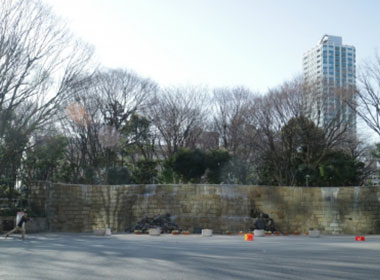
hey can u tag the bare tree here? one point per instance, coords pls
(267, 138)
(101, 119)
(177, 114)
(236, 131)
(40, 64)
(270, 114)
(331, 108)
(122, 94)
(286, 135)
(231, 106)
(366, 101)
(82, 128)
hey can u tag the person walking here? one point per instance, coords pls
(20, 226)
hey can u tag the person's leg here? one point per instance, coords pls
(12, 231)
(23, 231)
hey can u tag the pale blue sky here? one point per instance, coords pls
(257, 44)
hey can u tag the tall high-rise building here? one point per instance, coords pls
(329, 78)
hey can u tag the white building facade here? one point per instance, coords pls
(329, 71)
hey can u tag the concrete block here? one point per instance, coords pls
(206, 232)
(155, 232)
(259, 233)
(314, 233)
(100, 232)
(108, 231)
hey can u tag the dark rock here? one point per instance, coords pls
(264, 222)
(260, 224)
(164, 222)
(198, 230)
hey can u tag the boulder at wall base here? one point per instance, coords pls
(260, 224)
(263, 222)
(164, 222)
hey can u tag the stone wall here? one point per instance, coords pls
(37, 224)
(81, 208)
(38, 197)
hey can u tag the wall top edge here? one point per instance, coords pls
(207, 185)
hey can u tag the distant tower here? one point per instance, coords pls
(329, 78)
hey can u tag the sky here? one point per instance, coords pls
(218, 43)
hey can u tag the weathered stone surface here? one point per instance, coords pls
(344, 210)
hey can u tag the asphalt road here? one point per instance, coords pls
(126, 256)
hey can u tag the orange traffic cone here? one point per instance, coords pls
(248, 237)
(359, 238)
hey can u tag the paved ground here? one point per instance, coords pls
(124, 256)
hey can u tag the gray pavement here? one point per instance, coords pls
(126, 256)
